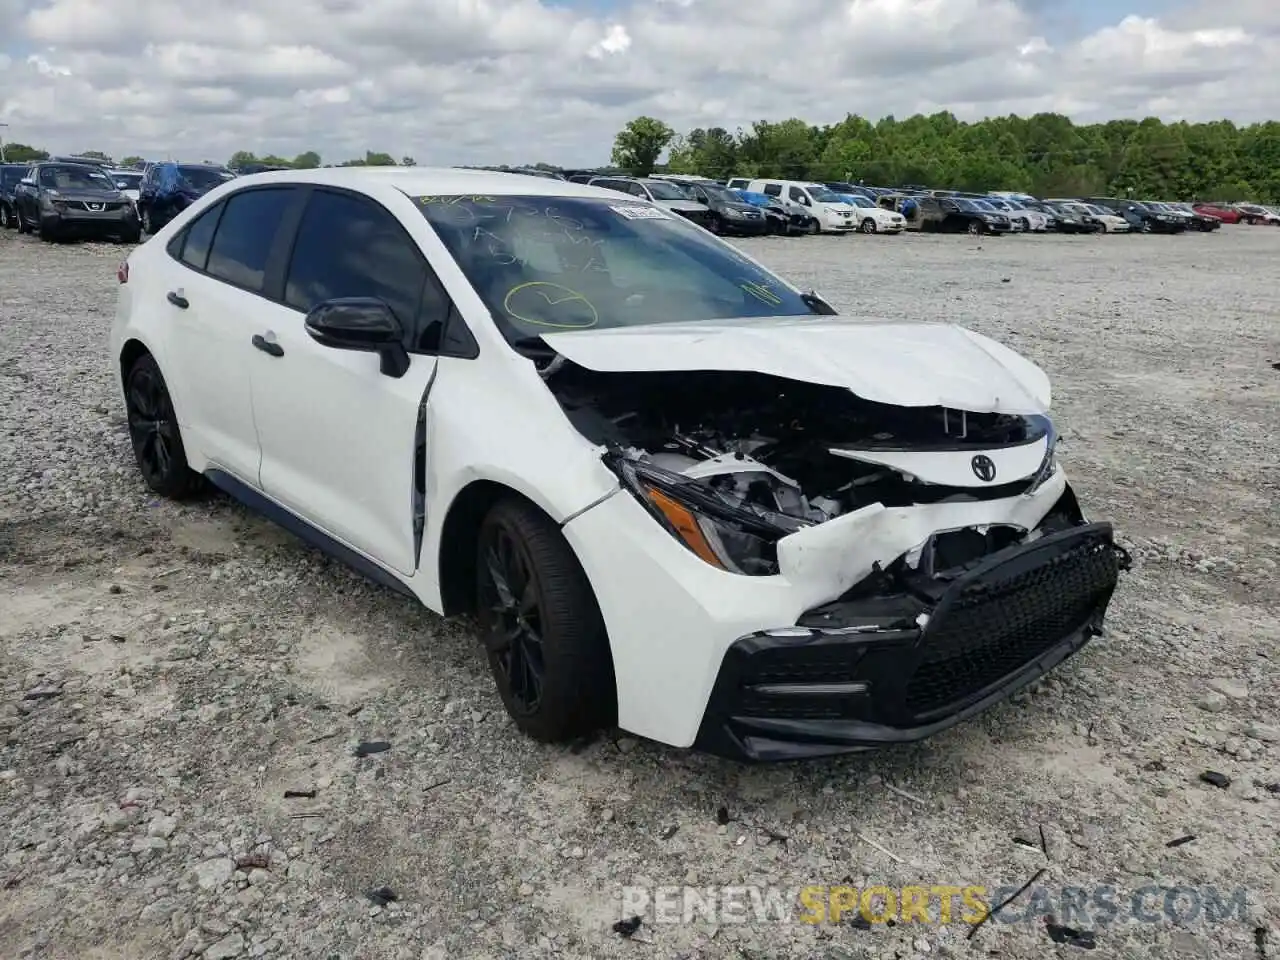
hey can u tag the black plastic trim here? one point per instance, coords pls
(259, 503)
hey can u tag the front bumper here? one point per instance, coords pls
(747, 228)
(90, 223)
(893, 668)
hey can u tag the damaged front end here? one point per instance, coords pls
(947, 559)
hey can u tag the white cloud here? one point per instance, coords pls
(464, 81)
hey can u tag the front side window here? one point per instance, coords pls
(351, 247)
(245, 236)
(543, 264)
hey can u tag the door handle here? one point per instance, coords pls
(267, 346)
(177, 299)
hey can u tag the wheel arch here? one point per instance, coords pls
(131, 351)
(459, 531)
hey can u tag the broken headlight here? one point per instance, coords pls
(725, 533)
(1049, 465)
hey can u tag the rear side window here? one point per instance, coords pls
(195, 250)
(351, 247)
(773, 189)
(245, 235)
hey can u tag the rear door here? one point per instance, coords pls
(340, 440)
(215, 306)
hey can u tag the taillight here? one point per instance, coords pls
(122, 271)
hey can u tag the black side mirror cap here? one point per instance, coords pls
(364, 324)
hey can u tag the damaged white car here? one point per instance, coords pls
(677, 493)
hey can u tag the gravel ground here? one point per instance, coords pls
(168, 672)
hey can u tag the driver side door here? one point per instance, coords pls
(343, 443)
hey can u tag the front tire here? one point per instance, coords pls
(543, 632)
(148, 225)
(868, 226)
(154, 432)
(6, 217)
(976, 229)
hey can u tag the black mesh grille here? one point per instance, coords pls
(805, 663)
(998, 624)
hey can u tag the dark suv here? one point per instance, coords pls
(10, 175)
(62, 200)
(168, 188)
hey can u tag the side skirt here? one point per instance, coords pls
(300, 528)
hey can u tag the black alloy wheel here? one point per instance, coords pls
(514, 603)
(542, 630)
(153, 430)
(976, 228)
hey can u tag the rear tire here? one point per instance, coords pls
(154, 433)
(23, 227)
(6, 217)
(543, 632)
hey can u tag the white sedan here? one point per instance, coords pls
(871, 218)
(676, 493)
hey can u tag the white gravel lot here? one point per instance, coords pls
(168, 672)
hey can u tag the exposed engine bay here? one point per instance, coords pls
(767, 456)
(768, 443)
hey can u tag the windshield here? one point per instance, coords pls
(543, 264)
(662, 190)
(76, 178)
(994, 204)
(11, 174)
(203, 178)
(964, 204)
(858, 200)
(723, 194)
(985, 205)
(823, 195)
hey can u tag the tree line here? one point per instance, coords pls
(1045, 155)
(309, 160)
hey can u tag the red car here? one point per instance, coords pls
(1225, 214)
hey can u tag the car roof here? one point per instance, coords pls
(427, 181)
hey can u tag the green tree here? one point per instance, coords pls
(132, 161)
(640, 143)
(21, 153)
(309, 160)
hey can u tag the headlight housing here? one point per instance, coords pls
(720, 530)
(1049, 465)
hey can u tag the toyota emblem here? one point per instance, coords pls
(984, 468)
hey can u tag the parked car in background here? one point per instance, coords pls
(1257, 215)
(1022, 217)
(730, 214)
(169, 187)
(64, 200)
(11, 175)
(871, 217)
(985, 205)
(1064, 219)
(850, 189)
(1196, 221)
(661, 192)
(780, 221)
(960, 215)
(98, 162)
(1223, 212)
(833, 214)
(1141, 217)
(678, 495)
(1109, 219)
(128, 182)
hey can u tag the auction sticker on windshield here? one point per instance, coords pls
(637, 212)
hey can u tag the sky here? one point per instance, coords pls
(522, 81)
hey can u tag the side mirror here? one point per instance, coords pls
(365, 324)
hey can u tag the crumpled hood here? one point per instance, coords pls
(910, 364)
